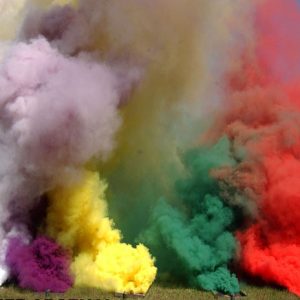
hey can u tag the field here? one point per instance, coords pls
(157, 292)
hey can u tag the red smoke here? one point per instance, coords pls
(271, 247)
(264, 121)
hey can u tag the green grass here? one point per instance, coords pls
(157, 292)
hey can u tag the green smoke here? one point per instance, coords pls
(192, 237)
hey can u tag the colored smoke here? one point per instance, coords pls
(77, 219)
(41, 265)
(190, 113)
(57, 113)
(271, 246)
(193, 242)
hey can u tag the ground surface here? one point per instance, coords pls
(157, 292)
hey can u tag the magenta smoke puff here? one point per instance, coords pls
(56, 113)
(42, 265)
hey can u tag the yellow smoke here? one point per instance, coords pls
(10, 16)
(77, 219)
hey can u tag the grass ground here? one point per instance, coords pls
(157, 292)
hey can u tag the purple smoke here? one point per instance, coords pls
(41, 266)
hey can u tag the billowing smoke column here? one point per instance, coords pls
(57, 113)
(189, 113)
(77, 219)
(261, 122)
(196, 234)
(271, 138)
